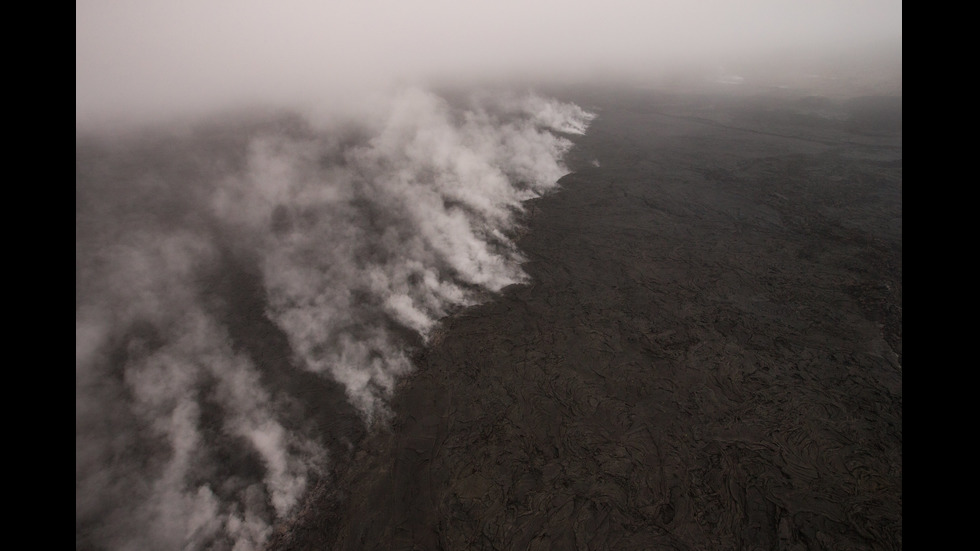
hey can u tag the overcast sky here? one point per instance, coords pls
(160, 56)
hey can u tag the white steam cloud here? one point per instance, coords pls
(224, 261)
(148, 359)
(406, 226)
(363, 235)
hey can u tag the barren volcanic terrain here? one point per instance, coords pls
(708, 355)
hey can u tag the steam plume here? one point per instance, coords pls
(363, 234)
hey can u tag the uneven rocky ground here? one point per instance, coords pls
(709, 355)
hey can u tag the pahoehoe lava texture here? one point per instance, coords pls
(709, 355)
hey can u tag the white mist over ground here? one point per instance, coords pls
(364, 235)
(380, 210)
(415, 219)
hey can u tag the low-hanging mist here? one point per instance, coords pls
(155, 59)
(361, 234)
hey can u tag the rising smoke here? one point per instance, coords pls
(362, 234)
(235, 274)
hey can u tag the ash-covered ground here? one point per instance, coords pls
(708, 354)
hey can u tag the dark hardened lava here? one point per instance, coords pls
(708, 357)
